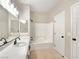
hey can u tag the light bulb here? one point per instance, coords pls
(12, 6)
(17, 12)
(9, 7)
(23, 21)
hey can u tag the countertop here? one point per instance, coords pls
(16, 52)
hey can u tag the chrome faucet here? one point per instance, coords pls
(15, 42)
(4, 40)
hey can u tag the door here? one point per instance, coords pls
(75, 31)
(78, 38)
(59, 33)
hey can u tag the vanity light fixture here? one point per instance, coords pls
(6, 4)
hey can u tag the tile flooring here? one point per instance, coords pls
(46, 53)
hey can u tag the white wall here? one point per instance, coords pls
(3, 23)
(40, 17)
(43, 33)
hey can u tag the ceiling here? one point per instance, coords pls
(40, 5)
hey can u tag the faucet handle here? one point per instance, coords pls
(5, 42)
(15, 42)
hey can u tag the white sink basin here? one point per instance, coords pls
(21, 44)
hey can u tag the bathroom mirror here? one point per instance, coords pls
(14, 26)
(18, 26)
(24, 26)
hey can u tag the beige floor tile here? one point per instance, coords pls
(45, 54)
